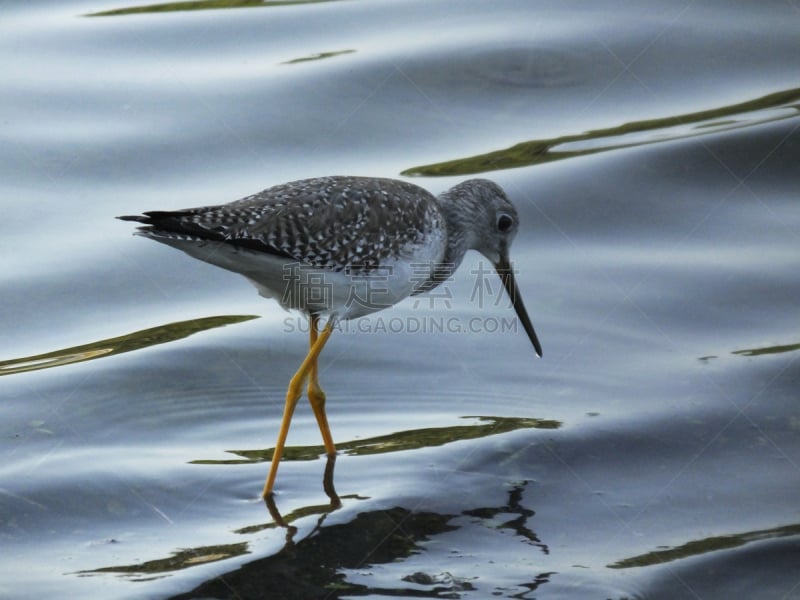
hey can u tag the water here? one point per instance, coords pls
(651, 149)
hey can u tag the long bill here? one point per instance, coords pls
(506, 274)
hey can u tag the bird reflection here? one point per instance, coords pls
(323, 510)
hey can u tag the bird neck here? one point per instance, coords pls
(460, 229)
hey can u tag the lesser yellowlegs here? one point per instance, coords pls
(341, 248)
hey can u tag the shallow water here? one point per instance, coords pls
(654, 452)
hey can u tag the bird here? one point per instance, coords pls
(342, 247)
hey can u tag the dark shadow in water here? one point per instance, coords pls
(313, 567)
(118, 345)
(198, 5)
(769, 570)
(306, 568)
(395, 442)
(757, 351)
(704, 546)
(180, 559)
(317, 56)
(767, 350)
(309, 568)
(773, 107)
(517, 524)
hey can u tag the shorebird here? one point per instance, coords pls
(341, 248)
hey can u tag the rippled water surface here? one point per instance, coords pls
(653, 452)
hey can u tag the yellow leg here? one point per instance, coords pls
(316, 396)
(292, 396)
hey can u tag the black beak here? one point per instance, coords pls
(505, 272)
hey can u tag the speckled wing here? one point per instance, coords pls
(329, 222)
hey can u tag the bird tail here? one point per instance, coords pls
(168, 220)
(137, 218)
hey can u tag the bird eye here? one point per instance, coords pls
(504, 222)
